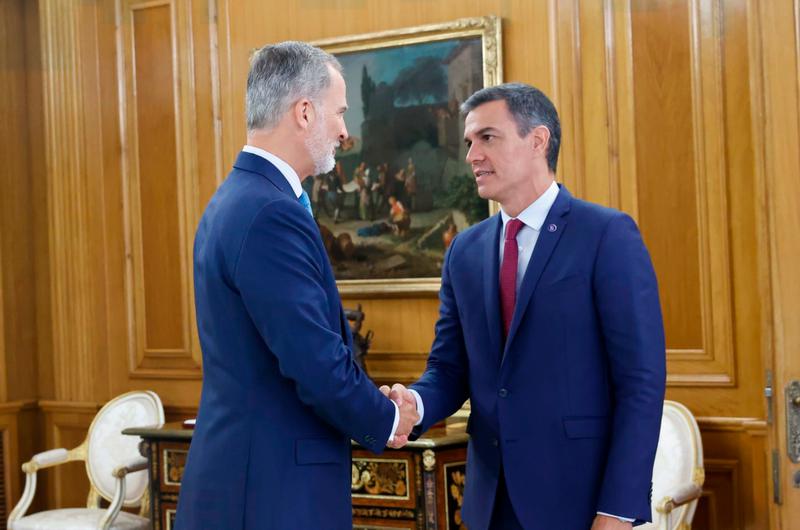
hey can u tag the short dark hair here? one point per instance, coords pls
(528, 106)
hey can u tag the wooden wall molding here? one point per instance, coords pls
(66, 425)
(753, 426)
(74, 175)
(699, 338)
(15, 407)
(719, 507)
(84, 407)
(394, 367)
(160, 191)
(737, 473)
(717, 354)
(619, 100)
(17, 285)
(3, 367)
(18, 431)
(594, 86)
(176, 413)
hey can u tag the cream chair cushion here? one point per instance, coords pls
(78, 519)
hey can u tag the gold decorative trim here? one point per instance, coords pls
(93, 499)
(429, 460)
(169, 516)
(383, 513)
(699, 476)
(144, 507)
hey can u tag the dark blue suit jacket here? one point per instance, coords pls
(282, 396)
(570, 405)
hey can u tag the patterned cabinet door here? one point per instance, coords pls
(451, 471)
(167, 464)
(421, 488)
(172, 460)
(385, 490)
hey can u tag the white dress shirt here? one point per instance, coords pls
(286, 170)
(532, 219)
(294, 181)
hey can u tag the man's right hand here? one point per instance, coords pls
(409, 417)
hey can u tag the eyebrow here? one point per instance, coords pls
(481, 132)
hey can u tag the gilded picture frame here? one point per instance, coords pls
(401, 188)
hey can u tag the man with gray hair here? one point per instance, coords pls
(282, 395)
(550, 324)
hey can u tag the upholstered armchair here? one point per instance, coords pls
(112, 461)
(678, 472)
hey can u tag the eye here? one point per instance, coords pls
(487, 137)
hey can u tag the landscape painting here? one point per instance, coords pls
(401, 189)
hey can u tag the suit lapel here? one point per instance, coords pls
(491, 282)
(549, 235)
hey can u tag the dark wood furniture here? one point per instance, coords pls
(419, 487)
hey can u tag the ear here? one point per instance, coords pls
(303, 113)
(540, 139)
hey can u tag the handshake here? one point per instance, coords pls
(407, 404)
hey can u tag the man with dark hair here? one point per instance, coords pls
(550, 324)
(282, 395)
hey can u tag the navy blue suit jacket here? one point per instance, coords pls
(282, 395)
(570, 405)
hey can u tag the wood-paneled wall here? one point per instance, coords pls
(124, 116)
(18, 336)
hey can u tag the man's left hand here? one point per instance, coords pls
(604, 522)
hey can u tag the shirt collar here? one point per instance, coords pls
(286, 170)
(535, 214)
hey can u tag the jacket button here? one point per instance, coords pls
(495, 442)
(502, 393)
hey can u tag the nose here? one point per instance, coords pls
(343, 133)
(474, 154)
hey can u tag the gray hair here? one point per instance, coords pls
(528, 106)
(280, 75)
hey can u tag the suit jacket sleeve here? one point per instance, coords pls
(445, 385)
(280, 275)
(627, 302)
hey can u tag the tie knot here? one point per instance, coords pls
(513, 226)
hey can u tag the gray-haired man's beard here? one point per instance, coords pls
(321, 149)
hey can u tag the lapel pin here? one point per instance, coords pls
(552, 228)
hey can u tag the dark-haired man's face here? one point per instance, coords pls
(501, 160)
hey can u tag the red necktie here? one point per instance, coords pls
(508, 273)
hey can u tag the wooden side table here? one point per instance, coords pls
(419, 487)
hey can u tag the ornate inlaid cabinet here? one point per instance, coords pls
(419, 487)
